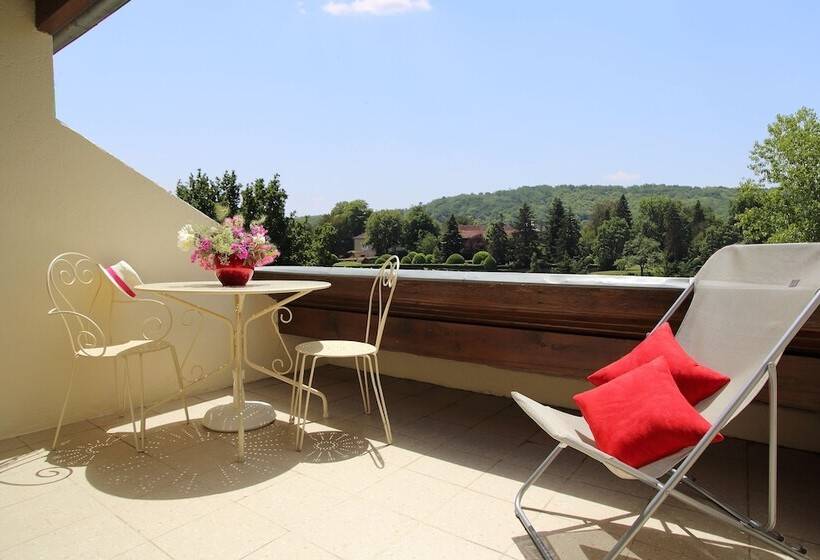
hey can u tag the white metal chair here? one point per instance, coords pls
(74, 284)
(748, 303)
(381, 295)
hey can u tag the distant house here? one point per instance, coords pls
(475, 237)
(360, 247)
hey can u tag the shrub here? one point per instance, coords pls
(455, 258)
(419, 259)
(489, 263)
(382, 259)
(407, 259)
(480, 257)
(430, 259)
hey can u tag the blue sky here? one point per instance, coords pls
(403, 101)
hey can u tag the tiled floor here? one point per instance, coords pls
(444, 490)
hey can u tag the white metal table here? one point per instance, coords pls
(241, 415)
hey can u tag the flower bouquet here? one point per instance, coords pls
(228, 249)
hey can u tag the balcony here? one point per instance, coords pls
(442, 490)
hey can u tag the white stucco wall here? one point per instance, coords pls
(59, 192)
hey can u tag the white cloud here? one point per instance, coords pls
(623, 177)
(300, 7)
(376, 7)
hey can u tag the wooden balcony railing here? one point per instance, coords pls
(555, 325)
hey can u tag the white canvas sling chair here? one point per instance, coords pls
(748, 302)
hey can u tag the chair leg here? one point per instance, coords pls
(74, 365)
(379, 394)
(363, 386)
(142, 405)
(127, 382)
(294, 388)
(180, 383)
(300, 435)
(519, 511)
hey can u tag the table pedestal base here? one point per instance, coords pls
(225, 417)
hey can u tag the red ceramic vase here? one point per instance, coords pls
(235, 273)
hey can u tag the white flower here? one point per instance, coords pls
(186, 237)
(259, 240)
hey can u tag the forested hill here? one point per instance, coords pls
(484, 207)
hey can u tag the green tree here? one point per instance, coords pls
(676, 234)
(622, 210)
(562, 233)
(349, 218)
(323, 245)
(384, 229)
(497, 241)
(268, 206)
(427, 243)
(609, 245)
(642, 252)
(525, 237)
(601, 212)
(417, 224)
(451, 241)
(699, 220)
(250, 205)
(714, 237)
(228, 192)
(788, 161)
(199, 192)
(300, 241)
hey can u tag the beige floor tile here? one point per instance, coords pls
(594, 473)
(466, 412)
(356, 529)
(293, 498)
(478, 443)
(583, 544)
(231, 532)
(13, 453)
(29, 519)
(480, 519)
(350, 475)
(455, 467)
(29, 475)
(426, 542)
(427, 428)
(43, 438)
(147, 551)
(11, 444)
(403, 500)
(120, 471)
(412, 494)
(504, 480)
(291, 547)
(99, 536)
(759, 551)
(155, 517)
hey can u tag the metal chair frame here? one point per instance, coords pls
(713, 507)
(381, 296)
(90, 341)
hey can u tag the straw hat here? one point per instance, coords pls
(123, 277)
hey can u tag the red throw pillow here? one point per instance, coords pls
(642, 416)
(694, 380)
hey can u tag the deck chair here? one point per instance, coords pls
(748, 302)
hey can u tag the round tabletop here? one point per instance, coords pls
(252, 287)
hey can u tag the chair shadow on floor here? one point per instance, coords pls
(666, 537)
(185, 460)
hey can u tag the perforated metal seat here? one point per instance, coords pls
(336, 348)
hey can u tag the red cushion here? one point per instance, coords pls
(642, 416)
(695, 381)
